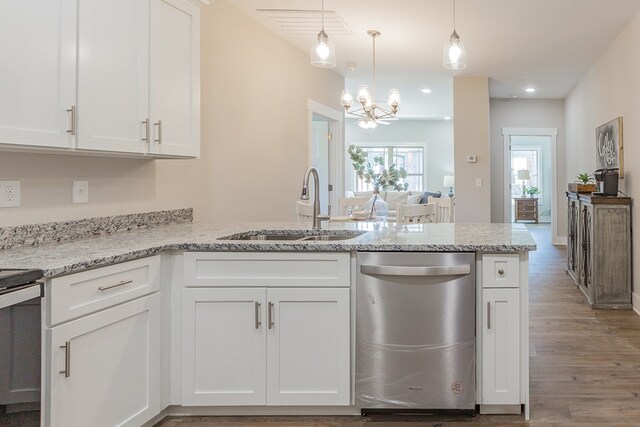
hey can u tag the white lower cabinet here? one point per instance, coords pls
(501, 346)
(105, 367)
(273, 346)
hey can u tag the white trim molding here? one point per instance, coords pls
(552, 133)
(336, 162)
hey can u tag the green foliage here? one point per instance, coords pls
(532, 191)
(585, 178)
(377, 174)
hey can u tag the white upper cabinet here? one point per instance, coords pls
(113, 74)
(174, 78)
(37, 72)
(103, 76)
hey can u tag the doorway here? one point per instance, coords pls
(325, 152)
(532, 151)
(532, 154)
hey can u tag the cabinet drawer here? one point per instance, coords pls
(500, 271)
(82, 293)
(318, 269)
(522, 203)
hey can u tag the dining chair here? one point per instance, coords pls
(445, 208)
(414, 214)
(304, 210)
(347, 204)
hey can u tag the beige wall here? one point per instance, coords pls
(471, 137)
(255, 88)
(611, 88)
(529, 113)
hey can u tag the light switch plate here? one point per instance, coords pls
(478, 182)
(9, 194)
(80, 192)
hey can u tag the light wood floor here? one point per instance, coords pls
(585, 364)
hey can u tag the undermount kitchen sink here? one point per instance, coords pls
(285, 235)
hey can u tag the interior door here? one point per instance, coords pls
(320, 158)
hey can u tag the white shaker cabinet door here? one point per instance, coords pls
(308, 346)
(501, 346)
(113, 75)
(105, 367)
(37, 72)
(175, 78)
(223, 347)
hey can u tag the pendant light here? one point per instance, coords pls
(322, 53)
(455, 57)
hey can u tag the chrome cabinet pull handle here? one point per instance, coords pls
(488, 315)
(258, 322)
(67, 359)
(159, 124)
(270, 315)
(72, 120)
(106, 288)
(146, 130)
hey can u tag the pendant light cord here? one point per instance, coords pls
(373, 88)
(454, 15)
(323, 16)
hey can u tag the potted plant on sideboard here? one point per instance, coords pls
(584, 184)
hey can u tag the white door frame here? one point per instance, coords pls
(552, 133)
(336, 162)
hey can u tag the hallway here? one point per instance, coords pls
(585, 364)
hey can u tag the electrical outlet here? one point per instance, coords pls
(80, 192)
(9, 194)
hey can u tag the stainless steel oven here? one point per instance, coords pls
(20, 347)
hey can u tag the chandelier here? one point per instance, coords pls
(371, 114)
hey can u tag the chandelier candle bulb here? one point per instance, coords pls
(347, 98)
(394, 98)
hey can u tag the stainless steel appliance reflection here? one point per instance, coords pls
(415, 332)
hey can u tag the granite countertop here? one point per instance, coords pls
(85, 253)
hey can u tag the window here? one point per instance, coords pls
(409, 158)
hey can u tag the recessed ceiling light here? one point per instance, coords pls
(530, 89)
(426, 90)
(514, 96)
(447, 118)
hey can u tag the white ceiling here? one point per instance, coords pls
(547, 44)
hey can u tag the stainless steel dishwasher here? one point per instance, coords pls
(415, 332)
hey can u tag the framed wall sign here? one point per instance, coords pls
(609, 148)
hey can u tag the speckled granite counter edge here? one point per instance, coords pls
(62, 231)
(281, 247)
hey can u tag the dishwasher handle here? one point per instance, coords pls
(393, 270)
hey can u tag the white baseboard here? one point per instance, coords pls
(635, 301)
(559, 241)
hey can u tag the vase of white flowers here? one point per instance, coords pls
(379, 177)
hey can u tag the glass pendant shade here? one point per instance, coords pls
(322, 53)
(347, 99)
(364, 97)
(394, 98)
(454, 57)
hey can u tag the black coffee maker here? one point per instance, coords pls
(607, 180)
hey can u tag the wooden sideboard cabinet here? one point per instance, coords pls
(599, 248)
(526, 209)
